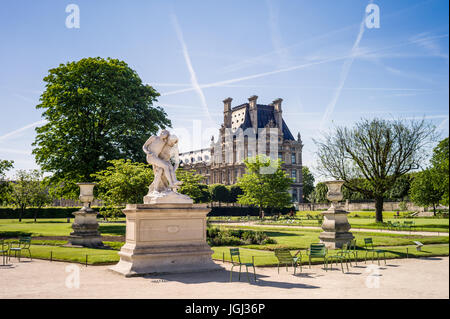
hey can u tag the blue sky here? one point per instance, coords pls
(314, 54)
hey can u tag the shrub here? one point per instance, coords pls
(236, 237)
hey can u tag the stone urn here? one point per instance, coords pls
(85, 225)
(335, 223)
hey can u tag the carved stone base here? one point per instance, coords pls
(85, 229)
(165, 238)
(167, 197)
(336, 228)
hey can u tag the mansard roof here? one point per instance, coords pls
(265, 113)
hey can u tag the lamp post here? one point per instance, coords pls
(85, 225)
(335, 223)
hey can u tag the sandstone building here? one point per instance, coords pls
(248, 129)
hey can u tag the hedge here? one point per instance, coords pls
(44, 212)
(245, 211)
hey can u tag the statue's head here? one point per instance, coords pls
(164, 134)
(172, 140)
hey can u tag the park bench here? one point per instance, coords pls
(368, 244)
(236, 261)
(23, 243)
(285, 258)
(318, 251)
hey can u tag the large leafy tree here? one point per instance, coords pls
(378, 150)
(308, 183)
(319, 194)
(5, 185)
(97, 110)
(440, 164)
(219, 193)
(264, 187)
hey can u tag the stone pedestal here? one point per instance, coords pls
(165, 238)
(85, 228)
(336, 228)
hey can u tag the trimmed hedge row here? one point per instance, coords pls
(245, 211)
(44, 212)
(64, 212)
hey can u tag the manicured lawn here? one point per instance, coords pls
(293, 239)
(52, 227)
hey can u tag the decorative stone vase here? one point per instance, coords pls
(85, 225)
(335, 223)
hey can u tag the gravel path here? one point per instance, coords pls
(406, 278)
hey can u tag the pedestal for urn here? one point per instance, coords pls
(335, 223)
(165, 235)
(85, 225)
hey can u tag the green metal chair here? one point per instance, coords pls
(408, 225)
(23, 243)
(236, 261)
(4, 250)
(318, 251)
(285, 258)
(368, 244)
(350, 250)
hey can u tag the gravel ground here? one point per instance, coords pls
(405, 278)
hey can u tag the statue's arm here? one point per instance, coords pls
(175, 155)
(147, 143)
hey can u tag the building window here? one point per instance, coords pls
(280, 156)
(293, 158)
(294, 175)
(294, 195)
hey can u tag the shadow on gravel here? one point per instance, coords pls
(223, 276)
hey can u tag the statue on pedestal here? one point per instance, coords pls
(160, 151)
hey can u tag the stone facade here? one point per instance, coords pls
(247, 130)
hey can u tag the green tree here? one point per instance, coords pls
(425, 190)
(308, 183)
(219, 193)
(263, 186)
(400, 189)
(191, 184)
(96, 110)
(235, 191)
(24, 189)
(377, 150)
(5, 185)
(319, 195)
(122, 182)
(440, 164)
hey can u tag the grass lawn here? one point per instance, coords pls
(52, 227)
(293, 239)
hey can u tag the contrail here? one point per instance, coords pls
(26, 127)
(187, 59)
(344, 73)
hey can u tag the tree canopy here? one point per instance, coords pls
(264, 189)
(378, 150)
(96, 110)
(308, 183)
(440, 164)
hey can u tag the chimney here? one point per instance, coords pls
(278, 113)
(253, 111)
(227, 112)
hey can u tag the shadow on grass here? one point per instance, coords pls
(13, 234)
(280, 234)
(112, 229)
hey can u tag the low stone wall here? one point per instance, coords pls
(387, 206)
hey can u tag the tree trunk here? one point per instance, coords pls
(260, 212)
(434, 209)
(21, 213)
(379, 209)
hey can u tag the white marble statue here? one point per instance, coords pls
(160, 151)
